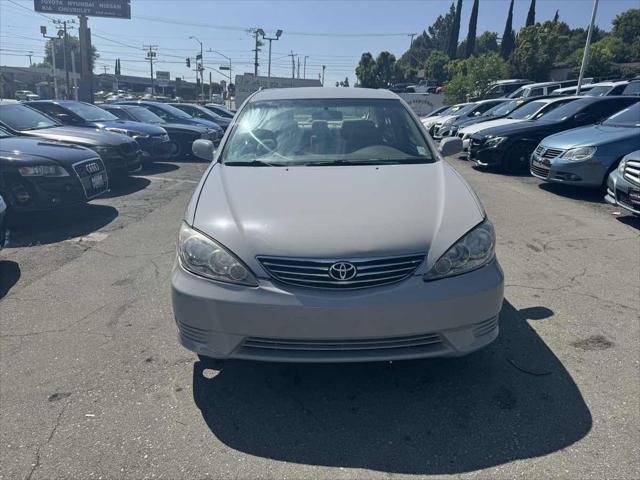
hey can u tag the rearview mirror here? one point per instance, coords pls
(203, 149)
(450, 146)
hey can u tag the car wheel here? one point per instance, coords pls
(516, 159)
(177, 150)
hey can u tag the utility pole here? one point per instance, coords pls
(200, 67)
(298, 67)
(64, 51)
(324, 67)
(210, 88)
(277, 37)
(73, 70)
(86, 71)
(43, 31)
(293, 64)
(304, 75)
(585, 56)
(151, 56)
(256, 33)
(105, 69)
(411, 41)
(30, 54)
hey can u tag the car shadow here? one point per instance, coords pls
(126, 186)
(630, 220)
(9, 276)
(512, 400)
(156, 168)
(591, 195)
(40, 228)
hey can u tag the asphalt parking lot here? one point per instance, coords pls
(94, 384)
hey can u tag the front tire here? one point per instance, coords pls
(516, 159)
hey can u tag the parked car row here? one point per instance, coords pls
(58, 153)
(588, 141)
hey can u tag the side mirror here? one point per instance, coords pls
(203, 149)
(450, 146)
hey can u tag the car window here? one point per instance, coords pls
(118, 112)
(536, 92)
(632, 89)
(600, 91)
(50, 109)
(331, 131)
(565, 111)
(518, 93)
(20, 117)
(503, 108)
(483, 107)
(628, 117)
(89, 113)
(527, 110)
(4, 133)
(605, 108)
(549, 107)
(617, 90)
(167, 111)
(144, 115)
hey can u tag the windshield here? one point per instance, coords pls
(528, 110)
(20, 117)
(173, 111)
(143, 115)
(89, 113)
(501, 109)
(565, 111)
(600, 91)
(629, 117)
(517, 94)
(326, 132)
(220, 110)
(4, 133)
(462, 109)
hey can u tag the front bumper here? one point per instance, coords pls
(411, 319)
(155, 148)
(123, 163)
(589, 173)
(483, 156)
(623, 193)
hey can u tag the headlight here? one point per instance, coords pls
(579, 154)
(623, 163)
(130, 133)
(102, 150)
(43, 171)
(494, 142)
(475, 249)
(201, 255)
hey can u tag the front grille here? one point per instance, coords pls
(328, 346)
(93, 176)
(548, 153)
(195, 334)
(539, 171)
(632, 171)
(314, 273)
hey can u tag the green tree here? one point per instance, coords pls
(387, 71)
(626, 25)
(470, 46)
(73, 47)
(487, 42)
(556, 17)
(454, 33)
(534, 53)
(531, 15)
(441, 29)
(508, 37)
(473, 75)
(435, 66)
(365, 71)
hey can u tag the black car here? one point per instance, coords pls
(511, 146)
(181, 136)
(198, 111)
(39, 174)
(120, 153)
(449, 127)
(153, 140)
(3, 229)
(220, 110)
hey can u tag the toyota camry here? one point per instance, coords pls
(329, 228)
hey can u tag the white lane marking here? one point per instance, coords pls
(167, 179)
(92, 237)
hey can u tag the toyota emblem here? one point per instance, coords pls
(342, 271)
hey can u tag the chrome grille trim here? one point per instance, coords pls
(548, 153)
(314, 273)
(632, 171)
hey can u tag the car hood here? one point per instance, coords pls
(592, 135)
(202, 121)
(520, 127)
(471, 129)
(147, 128)
(80, 136)
(331, 212)
(31, 151)
(184, 128)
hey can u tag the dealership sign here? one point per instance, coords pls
(89, 8)
(160, 75)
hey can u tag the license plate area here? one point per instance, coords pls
(634, 196)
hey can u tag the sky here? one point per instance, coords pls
(331, 32)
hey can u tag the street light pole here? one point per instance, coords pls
(304, 74)
(585, 55)
(230, 71)
(277, 37)
(43, 30)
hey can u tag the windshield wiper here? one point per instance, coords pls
(254, 163)
(371, 161)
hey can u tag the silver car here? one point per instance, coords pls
(328, 228)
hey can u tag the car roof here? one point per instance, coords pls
(541, 84)
(510, 80)
(610, 84)
(308, 93)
